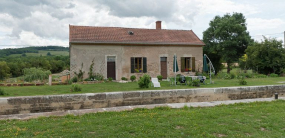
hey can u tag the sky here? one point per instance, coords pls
(45, 22)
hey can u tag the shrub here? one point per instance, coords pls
(227, 76)
(2, 92)
(159, 77)
(75, 88)
(74, 79)
(98, 76)
(196, 83)
(110, 79)
(273, 75)
(248, 75)
(261, 76)
(144, 81)
(232, 75)
(242, 81)
(87, 79)
(69, 81)
(133, 78)
(31, 74)
(124, 78)
(178, 79)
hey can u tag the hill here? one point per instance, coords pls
(35, 51)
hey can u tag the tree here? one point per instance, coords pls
(227, 38)
(267, 56)
(4, 70)
(48, 54)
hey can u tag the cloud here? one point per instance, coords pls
(140, 8)
(47, 21)
(29, 38)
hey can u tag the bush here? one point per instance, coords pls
(144, 81)
(242, 81)
(261, 76)
(124, 78)
(232, 75)
(74, 79)
(273, 75)
(87, 79)
(196, 83)
(159, 77)
(98, 76)
(75, 88)
(31, 74)
(2, 92)
(110, 79)
(133, 78)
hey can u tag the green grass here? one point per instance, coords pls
(44, 53)
(131, 86)
(258, 119)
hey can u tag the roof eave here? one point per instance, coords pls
(136, 43)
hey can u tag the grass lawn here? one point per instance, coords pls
(44, 53)
(258, 119)
(131, 86)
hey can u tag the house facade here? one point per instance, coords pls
(122, 52)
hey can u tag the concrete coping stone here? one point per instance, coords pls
(171, 90)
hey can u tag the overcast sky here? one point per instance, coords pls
(45, 22)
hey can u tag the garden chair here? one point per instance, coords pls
(155, 82)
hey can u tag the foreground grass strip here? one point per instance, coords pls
(258, 119)
(131, 86)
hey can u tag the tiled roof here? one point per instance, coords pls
(90, 34)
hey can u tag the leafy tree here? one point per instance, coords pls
(48, 54)
(226, 38)
(243, 62)
(267, 56)
(4, 70)
(31, 74)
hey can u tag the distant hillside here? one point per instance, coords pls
(35, 51)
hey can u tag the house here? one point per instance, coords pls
(122, 52)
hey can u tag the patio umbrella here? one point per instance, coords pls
(205, 65)
(175, 64)
(175, 67)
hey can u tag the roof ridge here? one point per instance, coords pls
(127, 28)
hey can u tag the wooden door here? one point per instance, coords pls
(111, 67)
(111, 70)
(163, 67)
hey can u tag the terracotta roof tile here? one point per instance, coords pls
(89, 34)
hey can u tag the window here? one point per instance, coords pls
(187, 64)
(138, 65)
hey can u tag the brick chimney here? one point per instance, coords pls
(158, 25)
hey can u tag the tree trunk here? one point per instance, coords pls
(228, 68)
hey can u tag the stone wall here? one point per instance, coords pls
(84, 54)
(34, 104)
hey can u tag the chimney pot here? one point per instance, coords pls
(158, 25)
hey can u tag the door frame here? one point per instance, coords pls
(116, 68)
(167, 63)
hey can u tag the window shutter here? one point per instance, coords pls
(144, 65)
(182, 64)
(193, 64)
(132, 65)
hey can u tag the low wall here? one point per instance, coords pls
(34, 104)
